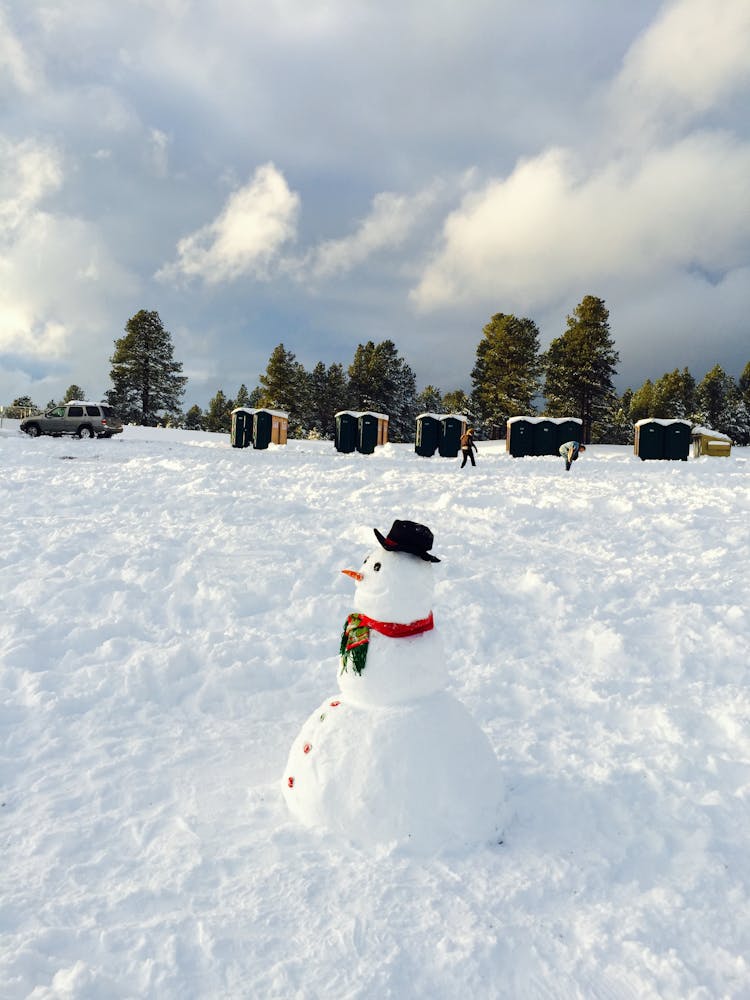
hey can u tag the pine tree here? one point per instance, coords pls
(73, 392)
(721, 406)
(382, 381)
(328, 393)
(457, 401)
(144, 374)
(506, 374)
(580, 365)
(194, 418)
(284, 386)
(243, 397)
(744, 384)
(219, 413)
(430, 400)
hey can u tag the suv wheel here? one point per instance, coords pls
(33, 430)
(85, 432)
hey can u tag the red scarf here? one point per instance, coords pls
(356, 636)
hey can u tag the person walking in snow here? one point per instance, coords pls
(467, 446)
(570, 451)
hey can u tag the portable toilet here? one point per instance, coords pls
(677, 440)
(372, 430)
(242, 428)
(519, 436)
(710, 442)
(345, 431)
(452, 428)
(569, 429)
(428, 434)
(269, 427)
(545, 437)
(649, 439)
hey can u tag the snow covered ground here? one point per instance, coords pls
(170, 612)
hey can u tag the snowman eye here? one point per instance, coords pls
(376, 567)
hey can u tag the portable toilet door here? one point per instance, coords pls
(345, 435)
(649, 440)
(242, 428)
(367, 433)
(450, 436)
(519, 437)
(545, 438)
(569, 429)
(428, 434)
(262, 427)
(677, 441)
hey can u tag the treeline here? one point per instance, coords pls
(511, 377)
(377, 379)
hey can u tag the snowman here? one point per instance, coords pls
(392, 758)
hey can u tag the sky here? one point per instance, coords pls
(323, 174)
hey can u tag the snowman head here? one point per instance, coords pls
(395, 582)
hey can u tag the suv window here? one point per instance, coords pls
(92, 411)
(75, 411)
(59, 411)
(107, 411)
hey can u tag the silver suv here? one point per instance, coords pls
(79, 417)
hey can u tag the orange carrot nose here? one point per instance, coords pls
(353, 574)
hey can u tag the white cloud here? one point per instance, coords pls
(158, 151)
(14, 63)
(551, 226)
(389, 223)
(256, 221)
(694, 55)
(28, 171)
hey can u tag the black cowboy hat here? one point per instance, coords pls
(408, 536)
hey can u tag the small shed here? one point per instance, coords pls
(372, 430)
(452, 428)
(710, 442)
(428, 434)
(259, 427)
(657, 438)
(519, 436)
(345, 433)
(540, 435)
(360, 430)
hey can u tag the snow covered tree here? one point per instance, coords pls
(284, 386)
(721, 406)
(744, 385)
(144, 374)
(382, 381)
(580, 365)
(194, 418)
(674, 395)
(506, 374)
(430, 400)
(457, 401)
(328, 392)
(243, 397)
(219, 413)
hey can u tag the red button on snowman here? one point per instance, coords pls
(394, 759)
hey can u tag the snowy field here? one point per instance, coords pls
(170, 615)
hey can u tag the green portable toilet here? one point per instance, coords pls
(367, 433)
(345, 435)
(262, 426)
(428, 434)
(452, 427)
(569, 429)
(677, 440)
(545, 438)
(649, 439)
(242, 428)
(519, 437)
